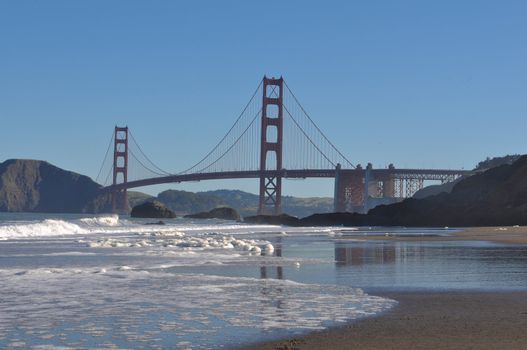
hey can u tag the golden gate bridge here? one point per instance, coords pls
(273, 138)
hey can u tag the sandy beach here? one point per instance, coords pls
(451, 320)
(504, 234)
(433, 320)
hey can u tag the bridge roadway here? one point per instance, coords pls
(401, 174)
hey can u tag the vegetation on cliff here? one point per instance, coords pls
(489, 163)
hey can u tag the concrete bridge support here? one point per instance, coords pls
(360, 189)
(349, 190)
(388, 184)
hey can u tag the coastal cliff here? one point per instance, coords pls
(497, 196)
(38, 186)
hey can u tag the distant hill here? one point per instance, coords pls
(183, 202)
(37, 186)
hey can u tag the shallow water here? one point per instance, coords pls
(74, 281)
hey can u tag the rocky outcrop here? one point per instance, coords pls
(434, 190)
(152, 210)
(37, 186)
(224, 213)
(283, 219)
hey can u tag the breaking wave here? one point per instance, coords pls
(58, 227)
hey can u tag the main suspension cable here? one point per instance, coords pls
(163, 172)
(228, 132)
(316, 126)
(104, 159)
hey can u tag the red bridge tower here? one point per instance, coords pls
(120, 170)
(271, 147)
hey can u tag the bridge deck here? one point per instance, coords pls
(424, 174)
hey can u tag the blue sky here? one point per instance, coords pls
(437, 84)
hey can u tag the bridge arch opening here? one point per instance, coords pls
(119, 178)
(271, 91)
(271, 111)
(272, 134)
(120, 162)
(271, 161)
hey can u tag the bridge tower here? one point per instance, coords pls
(120, 170)
(271, 147)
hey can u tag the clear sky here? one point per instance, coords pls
(436, 84)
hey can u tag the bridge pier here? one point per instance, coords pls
(120, 202)
(360, 190)
(349, 190)
(388, 184)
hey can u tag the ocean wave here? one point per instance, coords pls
(48, 227)
(109, 224)
(58, 227)
(111, 220)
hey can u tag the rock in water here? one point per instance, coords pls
(224, 213)
(153, 209)
(282, 219)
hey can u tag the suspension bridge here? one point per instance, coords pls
(272, 139)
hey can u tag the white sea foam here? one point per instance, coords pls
(140, 296)
(112, 220)
(181, 240)
(35, 301)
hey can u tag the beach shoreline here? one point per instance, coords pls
(432, 319)
(497, 234)
(427, 320)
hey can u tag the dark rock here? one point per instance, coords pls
(333, 219)
(224, 213)
(282, 219)
(156, 223)
(152, 209)
(434, 190)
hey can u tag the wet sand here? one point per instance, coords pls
(504, 234)
(433, 320)
(450, 320)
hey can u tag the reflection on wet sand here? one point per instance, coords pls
(365, 254)
(279, 269)
(411, 264)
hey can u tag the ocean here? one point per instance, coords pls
(109, 282)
